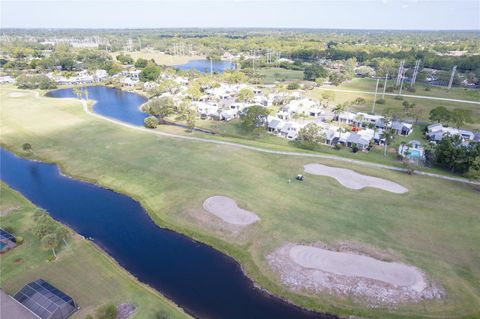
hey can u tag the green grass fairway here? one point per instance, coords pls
(435, 226)
(81, 270)
(273, 75)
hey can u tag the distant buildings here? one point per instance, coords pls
(436, 132)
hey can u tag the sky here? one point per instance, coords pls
(329, 14)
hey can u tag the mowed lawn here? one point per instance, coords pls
(81, 270)
(435, 226)
(272, 75)
(460, 93)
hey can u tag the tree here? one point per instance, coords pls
(337, 77)
(160, 107)
(124, 58)
(329, 96)
(460, 117)
(108, 311)
(473, 172)
(191, 117)
(150, 72)
(388, 135)
(50, 242)
(78, 92)
(339, 108)
(151, 122)
(62, 234)
(450, 152)
(194, 91)
(293, 86)
(27, 147)
(310, 135)
(407, 106)
(314, 71)
(440, 114)
(141, 63)
(32, 82)
(365, 71)
(253, 117)
(245, 95)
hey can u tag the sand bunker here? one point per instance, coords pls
(321, 270)
(226, 209)
(17, 94)
(354, 180)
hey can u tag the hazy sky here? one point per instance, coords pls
(352, 14)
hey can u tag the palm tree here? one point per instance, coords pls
(388, 135)
(50, 241)
(340, 130)
(77, 92)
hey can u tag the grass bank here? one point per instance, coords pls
(435, 226)
(81, 269)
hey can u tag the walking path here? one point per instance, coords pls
(264, 150)
(406, 95)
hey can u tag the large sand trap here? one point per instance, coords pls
(226, 209)
(17, 94)
(320, 270)
(354, 265)
(354, 180)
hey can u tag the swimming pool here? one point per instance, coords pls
(414, 153)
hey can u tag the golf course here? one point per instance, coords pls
(421, 223)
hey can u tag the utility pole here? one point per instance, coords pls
(400, 73)
(415, 72)
(385, 86)
(375, 97)
(211, 68)
(451, 77)
(401, 85)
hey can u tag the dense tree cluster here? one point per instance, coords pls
(36, 81)
(453, 154)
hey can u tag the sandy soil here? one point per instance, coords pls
(227, 209)
(17, 94)
(354, 180)
(350, 274)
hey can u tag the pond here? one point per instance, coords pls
(203, 66)
(111, 102)
(202, 280)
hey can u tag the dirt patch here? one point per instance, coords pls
(354, 180)
(8, 210)
(227, 210)
(319, 270)
(125, 310)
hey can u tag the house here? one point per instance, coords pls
(7, 241)
(290, 130)
(346, 117)
(355, 139)
(436, 132)
(206, 110)
(10, 308)
(228, 115)
(275, 125)
(402, 128)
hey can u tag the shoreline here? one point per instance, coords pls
(162, 224)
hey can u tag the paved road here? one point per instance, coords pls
(406, 95)
(269, 151)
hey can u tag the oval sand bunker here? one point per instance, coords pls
(320, 270)
(354, 180)
(354, 265)
(227, 209)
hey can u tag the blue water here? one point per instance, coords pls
(203, 66)
(414, 153)
(200, 279)
(2, 245)
(111, 102)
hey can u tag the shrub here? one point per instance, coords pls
(389, 89)
(411, 89)
(381, 101)
(337, 147)
(427, 88)
(355, 149)
(27, 147)
(398, 97)
(19, 240)
(106, 312)
(293, 86)
(151, 122)
(9, 229)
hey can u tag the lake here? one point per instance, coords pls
(203, 66)
(200, 279)
(111, 102)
